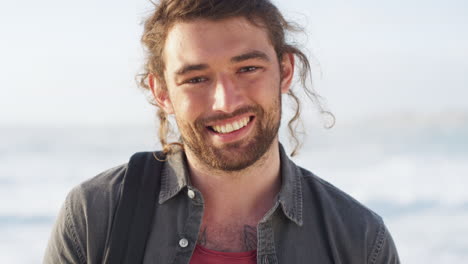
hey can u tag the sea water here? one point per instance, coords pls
(413, 173)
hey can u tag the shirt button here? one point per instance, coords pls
(183, 242)
(191, 194)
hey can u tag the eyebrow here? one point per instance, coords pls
(251, 55)
(240, 58)
(191, 67)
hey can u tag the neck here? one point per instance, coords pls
(248, 194)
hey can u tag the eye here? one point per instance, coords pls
(248, 69)
(196, 80)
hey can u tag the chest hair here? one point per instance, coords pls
(228, 238)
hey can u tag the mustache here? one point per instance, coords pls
(219, 117)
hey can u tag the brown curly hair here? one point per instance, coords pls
(261, 13)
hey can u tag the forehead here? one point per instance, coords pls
(205, 41)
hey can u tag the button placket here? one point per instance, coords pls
(183, 242)
(191, 193)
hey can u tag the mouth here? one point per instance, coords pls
(232, 126)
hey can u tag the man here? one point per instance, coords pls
(227, 193)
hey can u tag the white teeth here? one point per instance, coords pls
(236, 125)
(228, 128)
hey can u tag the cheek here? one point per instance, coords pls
(261, 89)
(189, 106)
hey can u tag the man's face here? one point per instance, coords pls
(224, 87)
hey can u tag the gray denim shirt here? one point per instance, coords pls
(311, 221)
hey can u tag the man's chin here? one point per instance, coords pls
(233, 156)
(232, 147)
(232, 162)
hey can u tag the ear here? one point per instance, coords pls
(160, 94)
(287, 71)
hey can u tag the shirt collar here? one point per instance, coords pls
(175, 176)
(290, 195)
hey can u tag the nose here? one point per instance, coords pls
(227, 95)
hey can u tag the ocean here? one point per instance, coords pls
(412, 170)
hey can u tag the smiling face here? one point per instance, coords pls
(224, 86)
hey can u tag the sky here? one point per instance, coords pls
(74, 62)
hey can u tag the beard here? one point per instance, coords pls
(238, 155)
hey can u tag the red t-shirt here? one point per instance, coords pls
(203, 255)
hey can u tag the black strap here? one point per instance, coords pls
(132, 220)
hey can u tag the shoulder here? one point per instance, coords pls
(98, 194)
(101, 186)
(350, 225)
(80, 231)
(335, 200)
(92, 202)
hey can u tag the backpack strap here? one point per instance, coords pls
(132, 220)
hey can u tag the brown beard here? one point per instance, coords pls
(238, 155)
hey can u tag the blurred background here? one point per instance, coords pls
(394, 73)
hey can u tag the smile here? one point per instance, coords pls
(231, 127)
